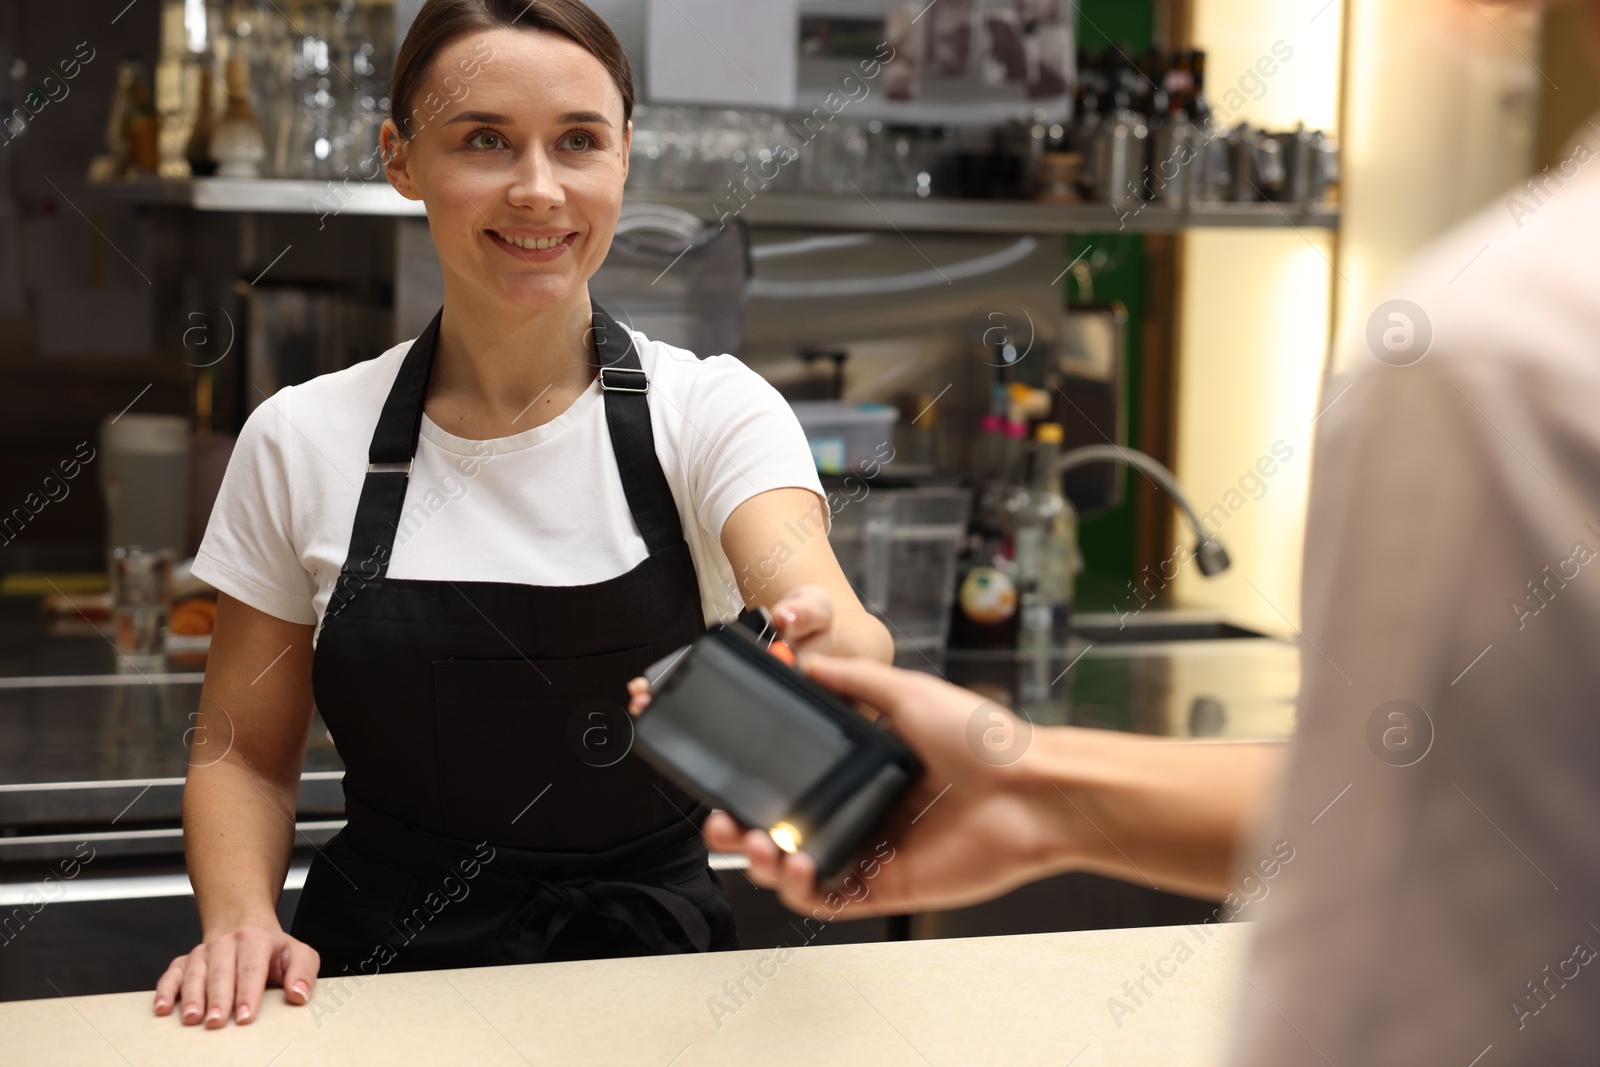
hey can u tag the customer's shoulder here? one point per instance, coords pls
(1515, 284)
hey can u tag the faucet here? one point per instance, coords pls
(1208, 551)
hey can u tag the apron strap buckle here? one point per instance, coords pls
(624, 380)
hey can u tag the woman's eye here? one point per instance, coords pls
(486, 139)
(579, 142)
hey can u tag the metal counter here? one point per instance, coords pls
(93, 757)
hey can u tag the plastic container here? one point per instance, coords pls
(844, 436)
(898, 548)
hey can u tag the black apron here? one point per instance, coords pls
(494, 811)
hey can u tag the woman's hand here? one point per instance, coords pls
(228, 973)
(804, 620)
(975, 826)
(777, 543)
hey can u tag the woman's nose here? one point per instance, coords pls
(535, 183)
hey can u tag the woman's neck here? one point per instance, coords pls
(498, 371)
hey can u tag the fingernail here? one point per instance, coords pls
(192, 1012)
(213, 1015)
(242, 1013)
(300, 988)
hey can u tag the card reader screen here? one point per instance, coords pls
(753, 742)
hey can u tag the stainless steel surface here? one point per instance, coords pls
(1240, 688)
(91, 758)
(91, 751)
(282, 196)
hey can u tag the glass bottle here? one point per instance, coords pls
(1046, 545)
(197, 152)
(985, 612)
(238, 145)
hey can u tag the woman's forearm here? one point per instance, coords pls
(1168, 813)
(238, 832)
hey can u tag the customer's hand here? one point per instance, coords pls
(974, 827)
(228, 973)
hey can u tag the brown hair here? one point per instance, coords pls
(440, 22)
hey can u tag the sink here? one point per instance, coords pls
(1110, 628)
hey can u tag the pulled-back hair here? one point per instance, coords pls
(441, 22)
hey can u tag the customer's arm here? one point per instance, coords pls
(1163, 813)
(238, 819)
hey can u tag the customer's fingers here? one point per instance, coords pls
(875, 684)
(723, 833)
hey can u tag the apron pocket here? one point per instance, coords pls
(538, 753)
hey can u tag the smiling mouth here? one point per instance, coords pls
(534, 244)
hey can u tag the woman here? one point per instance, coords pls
(464, 550)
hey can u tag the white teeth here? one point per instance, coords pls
(532, 243)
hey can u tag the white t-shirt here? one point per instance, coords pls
(542, 507)
(1445, 887)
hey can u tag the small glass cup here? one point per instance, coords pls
(141, 589)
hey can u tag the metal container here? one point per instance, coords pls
(1257, 163)
(1121, 144)
(1176, 161)
(1212, 180)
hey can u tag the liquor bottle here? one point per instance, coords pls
(141, 126)
(238, 146)
(198, 149)
(1045, 536)
(985, 611)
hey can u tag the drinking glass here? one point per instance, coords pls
(141, 587)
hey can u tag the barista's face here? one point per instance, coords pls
(522, 167)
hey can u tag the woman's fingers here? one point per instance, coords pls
(300, 974)
(221, 958)
(229, 974)
(194, 987)
(254, 947)
(803, 612)
(169, 985)
(638, 695)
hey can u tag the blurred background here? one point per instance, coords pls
(966, 239)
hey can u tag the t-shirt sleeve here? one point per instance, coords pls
(741, 439)
(249, 550)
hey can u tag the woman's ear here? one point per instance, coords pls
(627, 149)
(394, 153)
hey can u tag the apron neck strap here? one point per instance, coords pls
(626, 390)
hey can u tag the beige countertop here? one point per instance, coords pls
(1037, 998)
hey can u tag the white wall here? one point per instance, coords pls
(1442, 119)
(1439, 119)
(1254, 320)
